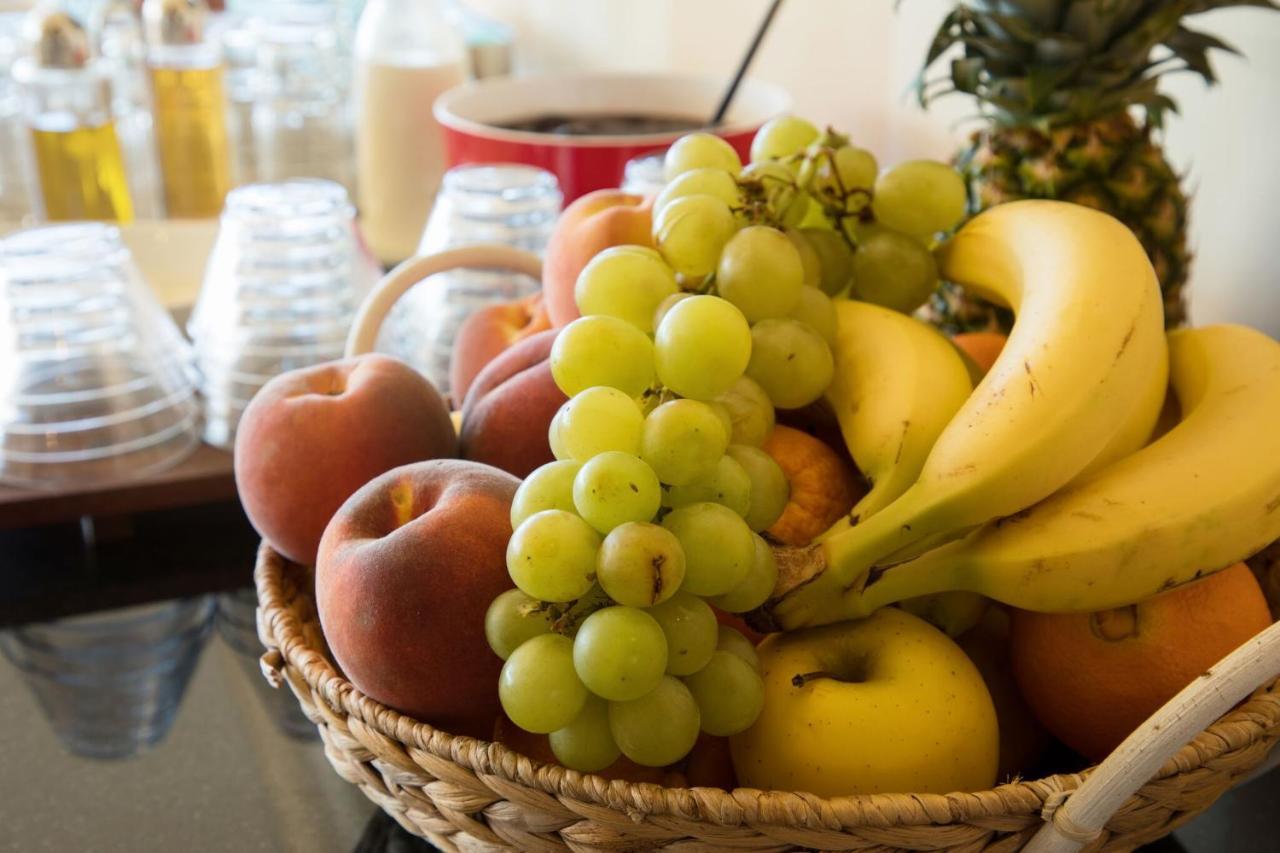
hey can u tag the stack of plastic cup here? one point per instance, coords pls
(111, 683)
(96, 381)
(280, 291)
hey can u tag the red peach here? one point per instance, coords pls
(509, 408)
(407, 569)
(311, 437)
(489, 331)
(587, 227)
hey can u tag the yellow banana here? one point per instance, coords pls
(1079, 377)
(897, 384)
(1201, 497)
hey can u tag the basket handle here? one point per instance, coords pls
(1080, 819)
(376, 306)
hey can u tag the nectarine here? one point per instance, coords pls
(407, 568)
(587, 227)
(509, 408)
(311, 437)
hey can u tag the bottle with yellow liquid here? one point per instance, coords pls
(190, 107)
(67, 104)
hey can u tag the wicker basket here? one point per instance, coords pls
(465, 794)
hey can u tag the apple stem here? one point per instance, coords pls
(801, 679)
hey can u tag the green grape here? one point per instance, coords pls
(620, 653)
(722, 412)
(718, 547)
(760, 272)
(809, 259)
(773, 186)
(547, 487)
(699, 151)
(702, 346)
(597, 420)
(691, 629)
(681, 441)
(691, 231)
(843, 178)
(756, 588)
(920, 197)
(660, 727)
(729, 693)
(627, 282)
(713, 182)
(538, 688)
(552, 555)
(770, 490)
(835, 259)
(733, 641)
(816, 310)
(602, 350)
(792, 363)
(573, 616)
(750, 411)
(892, 269)
(781, 137)
(667, 304)
(586, 744)
(614, 488)
(512, 618)
(640, 564)
(727, 485)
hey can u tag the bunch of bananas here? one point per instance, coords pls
(1042, 486)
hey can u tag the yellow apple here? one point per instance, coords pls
(888, 704)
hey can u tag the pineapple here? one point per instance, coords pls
(1069, 91)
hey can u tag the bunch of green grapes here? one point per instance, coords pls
(859, 232)
(649, 516)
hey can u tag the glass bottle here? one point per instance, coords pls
(15, 184)
(507, 204)
(300, 122)
(406, 53)
(122, 51)
(67, 100)
(190, 107)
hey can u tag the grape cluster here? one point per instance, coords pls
(652, 511)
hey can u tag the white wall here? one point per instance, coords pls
(851, 62)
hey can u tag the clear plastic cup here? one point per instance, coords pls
(282, 286)
(96, 382)
(111, 683)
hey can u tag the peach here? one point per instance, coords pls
(406, 571)
(587, 227)
(489, 331)
(509, 408)
(311, 437)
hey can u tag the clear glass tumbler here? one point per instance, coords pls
(507, 204)
(111, 683)
(96, 382)
(287, 273)
(643, 174)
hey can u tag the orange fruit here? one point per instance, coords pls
(823, 486)
(1092, 678)
(983, 347)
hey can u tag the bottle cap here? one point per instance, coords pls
(174, 22)
(57, 40)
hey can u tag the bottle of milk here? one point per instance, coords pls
(406, 53)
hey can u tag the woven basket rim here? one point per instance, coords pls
(1248, 722)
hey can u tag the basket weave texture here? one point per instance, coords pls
(470, 795)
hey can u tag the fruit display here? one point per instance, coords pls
(1058, 84)
(733, 425)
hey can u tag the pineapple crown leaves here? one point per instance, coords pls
(1050, 62)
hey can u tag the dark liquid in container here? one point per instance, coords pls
(612, 124)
